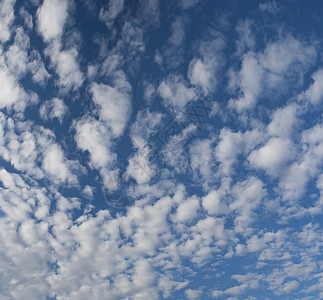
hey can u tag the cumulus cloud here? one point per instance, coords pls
(114, 103)
(55, 164)
(280, 61)
(204, 70)
(66, 65)
(51, 17)
(7, 17)
(273, 156)
(233, 195)
(12, 94)
(213, 203)
(54, 108)
(175, 92)
(315, 92)
(92, 136)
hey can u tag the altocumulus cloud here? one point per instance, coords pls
(161, 150)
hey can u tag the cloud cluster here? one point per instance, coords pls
(146, 153)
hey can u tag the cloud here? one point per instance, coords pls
(228, 148)
(315, 92)
(204, 70)
(55, 164)
(93, 136)
(187, 211)
(273, 156)
(7, 17)
(250, 82)
(114, 103)
(186, 4)
(54, 108)
(139, 166)
(37, 68)
(247, 197)
(285, 121)
(175, 92)
(236, 195)
(213, 203)
(11, 93)
(108, 16)
(246, 41)
(66, 66)
(201, 148)
(193, 294)
(281, 61)
(27, 17)
(51, 17)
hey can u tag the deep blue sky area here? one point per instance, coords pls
(157, 149)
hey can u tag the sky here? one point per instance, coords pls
(157, 149)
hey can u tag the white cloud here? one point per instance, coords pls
(250, 82)
(315, 92)
(66, 66)
(284, 55)
(16, 60)
(290, 286)
(37, 68)
(284, 121)
(273, 156)
(93, 136)
(188, 210)
(54, 108)
(139, 166)
(246, 41)
(282, 60)
(269, 6)
(27, 17)
(88, 192)
(54, 163)
(11, 93)
(201, 156)
(51, 16)
(115, 8)
(228, 148)
(213, 203)
(114, 103)
(178, 32)
(6, 17)
(203, 70)
(175, 92)
(193, 294)
(144, 126)
(247, 197)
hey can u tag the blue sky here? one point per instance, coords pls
(161, 149)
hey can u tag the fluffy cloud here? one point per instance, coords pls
(315, 91)
(273, 156)
(12, 94)
(92, 136)
(54, 164)
(203, 70)
(52, 15)
(114, 103)
(66, 65)
(279, 62)
(175, 92)
(213, 203)
(247, 191)
(54, 108)
(7, 17)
